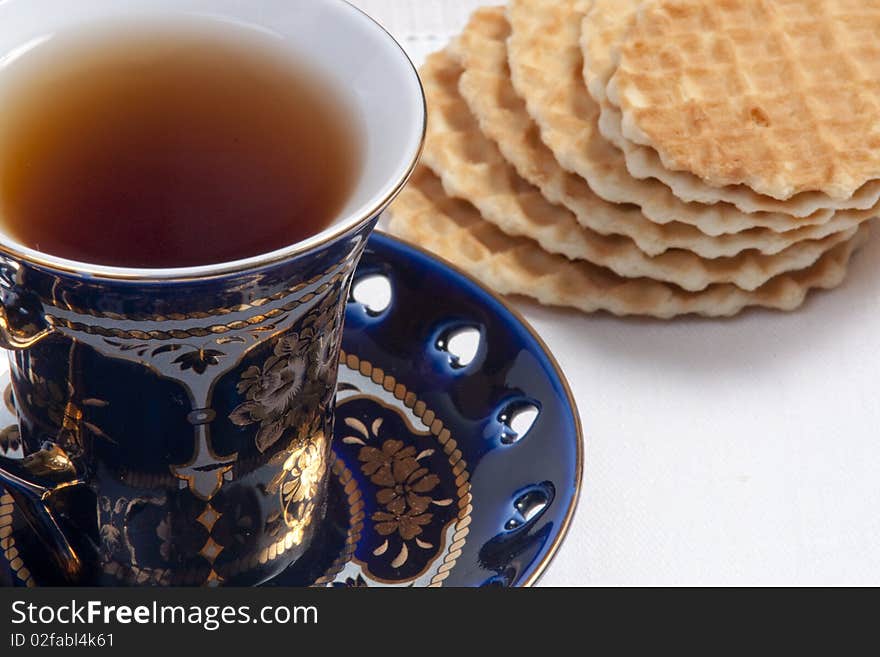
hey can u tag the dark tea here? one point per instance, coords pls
(169, 146)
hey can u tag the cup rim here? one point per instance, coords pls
(347, 224)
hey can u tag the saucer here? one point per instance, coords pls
(458, 452)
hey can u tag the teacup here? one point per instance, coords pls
(177, 423)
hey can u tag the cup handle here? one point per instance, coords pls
(34, 480)
(22, 321)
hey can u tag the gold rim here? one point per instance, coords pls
(442, 434)
(542, 566)
(207, 272)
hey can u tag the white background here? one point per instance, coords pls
(718, 452)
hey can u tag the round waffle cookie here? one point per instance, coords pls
(424, 214)
(471, 167)
(546, 65)
(604, 30)
(780, 96)
(503, 117)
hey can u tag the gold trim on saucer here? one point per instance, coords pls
(579, 464)
(355, 500)
(7, 541)
(456, 461)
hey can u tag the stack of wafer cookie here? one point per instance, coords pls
(652, 157)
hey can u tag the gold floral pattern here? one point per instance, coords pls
(282, 392)
(407, 523)
(404, 486)
(298, 484)
(199, 360)
(63, 411)
(115, 518)
(406, 464)
(10, 440)
(352, 583)
(48, 396)
(111, 518)
(163, 531)
(405, 518)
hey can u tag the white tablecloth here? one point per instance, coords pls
(731, 452)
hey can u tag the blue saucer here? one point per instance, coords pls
(458, 453)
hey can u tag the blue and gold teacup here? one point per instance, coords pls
(176, 423)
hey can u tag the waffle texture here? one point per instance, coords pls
(503, 117)
(425, 215)
(471, 167)
(534, 181)
(782, 96)
(604, 31)
(546, 64)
